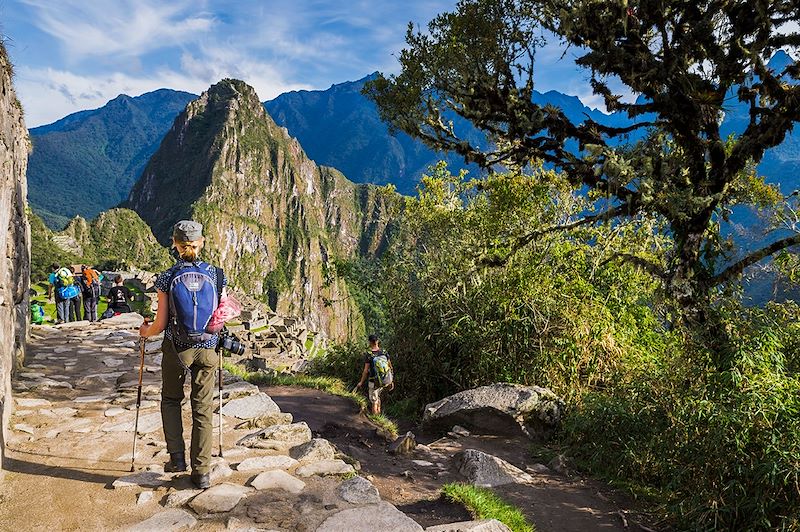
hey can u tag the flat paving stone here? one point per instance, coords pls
(325, 467)
(145, 479)
(266, 463)
(370, 518)
(220, 498)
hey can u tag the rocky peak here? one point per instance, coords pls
(274, 219)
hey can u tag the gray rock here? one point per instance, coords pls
(114, 411)
(325, 467)
(369, 518)
(278, 437)
(220, 498)
(168, 520)
(278, 479)
(266, 463)
(144, 497)
(22, 427)
(313, 451)
(267, 420)
(179, 498)
(250, 407)
(482, 469)
(403, 444)
(145, 479)
(499, 409)
(112, 362)
(422, 463)
(482, 525)
(358, 490)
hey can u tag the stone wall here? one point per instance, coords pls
(14, 240)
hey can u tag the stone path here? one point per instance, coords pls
(70, 438)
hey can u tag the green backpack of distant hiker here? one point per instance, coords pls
(37, 313)
(64, 278)
(380, 369)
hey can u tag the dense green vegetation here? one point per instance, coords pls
(647, 406)
(482, 503)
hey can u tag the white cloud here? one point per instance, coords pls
(48, 94)
(90, 28)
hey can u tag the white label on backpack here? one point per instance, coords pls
(192, 286)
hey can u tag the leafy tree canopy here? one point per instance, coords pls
(686, 62)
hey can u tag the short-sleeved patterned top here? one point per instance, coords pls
(162, 284)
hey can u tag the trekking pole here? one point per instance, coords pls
(219, 351)
(138, 401)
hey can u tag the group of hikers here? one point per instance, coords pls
(72, 290)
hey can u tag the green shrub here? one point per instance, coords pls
(722, 449)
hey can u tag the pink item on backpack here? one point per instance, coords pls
(227, 309)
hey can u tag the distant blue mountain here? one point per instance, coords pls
(339, 127)
(88, 161)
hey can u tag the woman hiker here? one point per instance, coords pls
(188, 294)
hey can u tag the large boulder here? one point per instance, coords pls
(499, 409)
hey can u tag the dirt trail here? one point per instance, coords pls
(553, 502)
(71, 433)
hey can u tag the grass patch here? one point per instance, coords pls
(385, 423)
(482, 503)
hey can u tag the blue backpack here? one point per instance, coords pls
(193, 298)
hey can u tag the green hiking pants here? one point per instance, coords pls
(202, 364)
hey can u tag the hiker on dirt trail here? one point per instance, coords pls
(378, 369)
(90, 286)
(62, 285)
(119, 297)
(188, 294)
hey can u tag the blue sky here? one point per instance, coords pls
(71, 55)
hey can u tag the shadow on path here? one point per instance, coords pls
(58, 471)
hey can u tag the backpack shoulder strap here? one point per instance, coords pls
(220, 276)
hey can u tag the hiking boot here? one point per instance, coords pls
(176, 464)
(201, 480)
